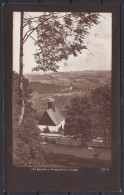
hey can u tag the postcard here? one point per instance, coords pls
(62, 109)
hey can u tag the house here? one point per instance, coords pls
(52, 118)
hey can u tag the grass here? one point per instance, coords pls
(75, 157)
(46, 87)
(69, 161)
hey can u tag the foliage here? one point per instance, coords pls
(27, 150)
(77, 122)
(46, 130)
(102, 99)
(58, 36)
(61, 130)
(16, 98)
(90, 116)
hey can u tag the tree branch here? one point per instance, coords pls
(26, 34)
(35, 41)
(33, 19)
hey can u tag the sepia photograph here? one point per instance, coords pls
(62, 90)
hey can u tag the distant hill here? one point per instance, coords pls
(58, 85)
(61, 81)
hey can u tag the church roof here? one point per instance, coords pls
(52, 118)
(56, 116)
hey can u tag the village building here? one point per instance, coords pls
(52, 118)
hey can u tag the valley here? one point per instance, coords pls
(63, 86)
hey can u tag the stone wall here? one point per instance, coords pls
(62, 140)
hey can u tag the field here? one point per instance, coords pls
(61, 81)
(70, 161)
(63, 86)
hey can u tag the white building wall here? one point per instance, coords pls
(52, 128)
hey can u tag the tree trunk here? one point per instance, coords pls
(21, 70)
(21, 49)
(104, 128)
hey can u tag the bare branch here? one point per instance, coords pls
(35, 41)
(33, 19)
(26, 34)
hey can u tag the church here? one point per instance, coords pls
(52, 118)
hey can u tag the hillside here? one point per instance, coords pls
(58, 85)
(61, 81)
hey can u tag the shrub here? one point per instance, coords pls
(46, 130)
(27, 142)
(61, 130)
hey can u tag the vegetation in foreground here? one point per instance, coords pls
(27, 148)
(68, 161)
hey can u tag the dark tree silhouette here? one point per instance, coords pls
(78, 121)
(101, 98)
(90, 116)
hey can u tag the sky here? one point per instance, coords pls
(98, 56)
